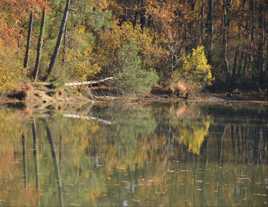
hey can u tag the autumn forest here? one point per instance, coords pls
(142, 103)
(142, 44)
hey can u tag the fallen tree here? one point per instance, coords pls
(76, 83)
(45, 94)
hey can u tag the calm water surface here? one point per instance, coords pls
(150, 155)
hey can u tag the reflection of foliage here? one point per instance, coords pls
(132, 125)
(128, 160)
(193, 134)
(191, 125)
(71, 139)
(12, 192)
(11, 126)
(187, 122)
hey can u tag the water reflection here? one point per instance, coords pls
(154, 155)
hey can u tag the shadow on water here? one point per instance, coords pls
(153, 155)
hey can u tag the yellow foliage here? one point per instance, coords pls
(118, 35)
(80, 58)
(194, 68)
(194, 136)
(100, 4)
(10, 72)
(83, 68)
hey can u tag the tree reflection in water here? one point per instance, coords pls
(156, 155)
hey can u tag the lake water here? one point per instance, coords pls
(139, 155)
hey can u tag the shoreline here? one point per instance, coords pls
(202, 98)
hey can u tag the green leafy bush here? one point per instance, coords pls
(133, 77)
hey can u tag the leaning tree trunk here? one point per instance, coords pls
(39, 47)
(59, 39)
(63, 60)
(28, 45)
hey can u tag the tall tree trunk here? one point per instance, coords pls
(202, 14)
(261, 42)
(59, 39)
(235, 65)
(142, 14)
(252, 19)
(244, 67)
(266, 67)
(40, 46)
(210, 30)
(28, 44)
(226, 5)
(252, 31)
(240, 68)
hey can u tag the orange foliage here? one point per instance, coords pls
(12, 14)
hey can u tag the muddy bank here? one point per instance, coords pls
(43, 97)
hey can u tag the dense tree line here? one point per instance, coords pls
(234, 34)
(151, 39)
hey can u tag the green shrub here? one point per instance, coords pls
(132, 77)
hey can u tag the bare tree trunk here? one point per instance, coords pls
(40, 46)
(202, 14)
(226, 5)
(28, 45)
(266, 67)
(59, 39)
(235, 65)
(245, 66)
(261, 43)
(210, 29)
(240, 68)
(252, 31)
(252, 19)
